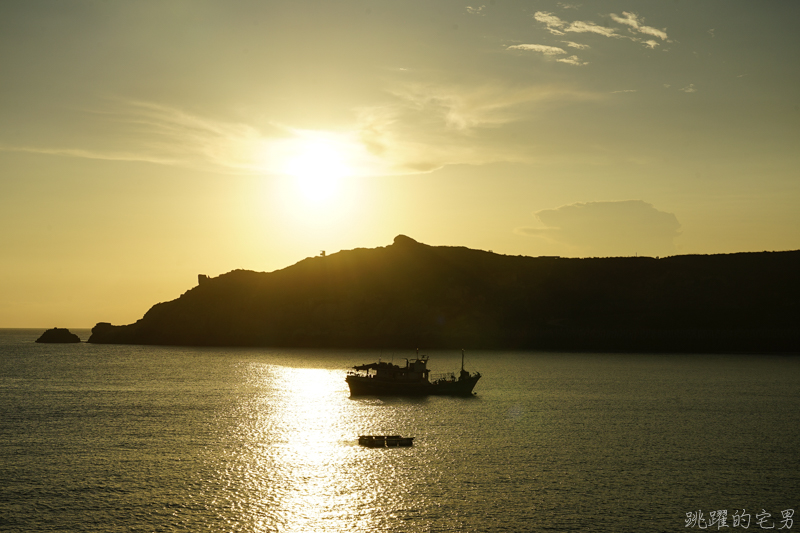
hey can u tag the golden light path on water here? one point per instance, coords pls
(312, 457)
(305, 470)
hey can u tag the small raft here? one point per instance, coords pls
(385, 441)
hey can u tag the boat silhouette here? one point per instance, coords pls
(413, 379)
(385, 441)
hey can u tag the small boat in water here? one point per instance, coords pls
(387, 379)
(385, 441)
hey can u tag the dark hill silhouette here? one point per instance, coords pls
(410, 295)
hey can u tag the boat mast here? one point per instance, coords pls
(462, 359)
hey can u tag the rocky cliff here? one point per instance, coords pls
(410, 295)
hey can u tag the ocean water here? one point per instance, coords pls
(142, 438)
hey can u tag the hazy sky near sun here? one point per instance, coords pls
(143, 143)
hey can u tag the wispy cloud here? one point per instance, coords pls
(90, 154)
(556, 26)
(572, 60)
(476, 10)
(541, 48)
(580, 26)
(689, 88)
(189, 138)
(419, 127)
(432, 125)
(624, 91)
(579, 46)
(466, 108)
(634, 21)
(553, 51)
(155, 133)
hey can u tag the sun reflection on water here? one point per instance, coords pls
(307, 468)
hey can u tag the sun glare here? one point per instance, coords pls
(317, 178)
(317, 167)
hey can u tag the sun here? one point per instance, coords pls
(317, 168)
(319, 180)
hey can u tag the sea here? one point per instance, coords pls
(155, 438)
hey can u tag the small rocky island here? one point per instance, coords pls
(58, 335)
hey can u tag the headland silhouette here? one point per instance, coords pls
(409, 295)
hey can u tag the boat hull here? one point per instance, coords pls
(370, 386)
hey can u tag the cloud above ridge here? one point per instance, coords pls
(618, 228)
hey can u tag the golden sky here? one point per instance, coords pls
(143, 143)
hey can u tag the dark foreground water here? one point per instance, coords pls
(132, 438)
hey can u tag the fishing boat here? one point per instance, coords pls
(413, 379)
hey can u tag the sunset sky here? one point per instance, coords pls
(143, 143)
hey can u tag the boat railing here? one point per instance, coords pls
(359, 374)
(446, 376)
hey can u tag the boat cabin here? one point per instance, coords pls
(415, 370)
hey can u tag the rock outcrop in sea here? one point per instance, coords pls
(409, 295)
(58, 335)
